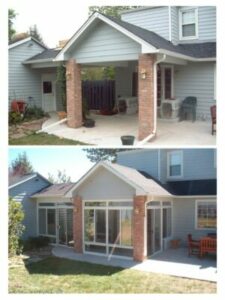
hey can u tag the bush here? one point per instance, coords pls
(14, 117)
(35, 243)
(15, 227)
(34, 112)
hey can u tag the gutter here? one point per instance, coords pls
(152, 135)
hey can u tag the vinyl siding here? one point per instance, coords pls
(145, 160)
(123, 78)
(174, 24)
(105, 44)
(197, 164)
(22, 193)
(153, 19)
(104, 185)
(24, 82)
(196, 79)
(183, 221)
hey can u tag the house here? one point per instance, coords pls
(132, 208)
(161, 54)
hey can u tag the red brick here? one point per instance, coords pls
(77, 224)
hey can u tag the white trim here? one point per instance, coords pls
(186, 57)
(146, 47)
(52, 78)
(169, 153)
(170, 23)
(22, 181)
(196, 213)
(215, 82)
(43, 60)
(24, 41)
(181, 11)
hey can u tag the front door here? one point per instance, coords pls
(48, 92)
(65, 226)
(153, 230)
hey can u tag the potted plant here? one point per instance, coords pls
(61, 81)
(87, 122)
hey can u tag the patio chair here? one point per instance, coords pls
(193, 246)
(208, 245)
(213, 117)
(188, 107)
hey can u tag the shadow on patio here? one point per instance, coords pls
(109, 129)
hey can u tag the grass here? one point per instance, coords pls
(56, 275)
(43, 139)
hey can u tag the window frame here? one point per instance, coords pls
(168, 164)
(181, 11)
(196, 213)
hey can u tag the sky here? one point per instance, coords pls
(50, 159)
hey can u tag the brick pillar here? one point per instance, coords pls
(139, 228)
(146, 94)
(74, 94)
(77, 224)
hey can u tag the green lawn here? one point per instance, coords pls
(43, 139)
(56, 275)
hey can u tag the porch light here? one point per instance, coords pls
(143, 73)
(75, 209)
(68, 76)
(136, 210)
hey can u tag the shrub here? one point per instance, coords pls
(14, 117)
(15, 227)
(34, 112)
(35, 243)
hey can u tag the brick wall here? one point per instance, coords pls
(146, 95)
(74, 94)
(139, 228)
(77, 224)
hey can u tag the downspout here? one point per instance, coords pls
(150, 136)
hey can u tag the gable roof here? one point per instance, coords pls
(17, 180)
(149, 40)
(55, 190)
(132, 177)
(47, 54)
(23, 41)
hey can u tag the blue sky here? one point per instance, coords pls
(50, 159)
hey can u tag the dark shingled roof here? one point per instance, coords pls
(46, 54)
(55, 190)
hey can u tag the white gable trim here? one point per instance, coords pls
(22, 181)
(139, 190)
(146, 47)
(24, 41)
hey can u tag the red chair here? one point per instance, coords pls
(213, 117)
(193, 246)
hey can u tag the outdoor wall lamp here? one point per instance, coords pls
(136, 210)
(143, 73)
(75, 209)
(68, 76)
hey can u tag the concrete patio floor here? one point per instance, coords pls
(108, 129)
(173, 262)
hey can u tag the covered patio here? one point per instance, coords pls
(109, 129)
(175, 262)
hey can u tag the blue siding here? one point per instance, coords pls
(24, 82)
(22, 193)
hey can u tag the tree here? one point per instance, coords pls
(15, 226)
(33, 32)
(11, 17)
(60, 178)
(61, 82)
(113, 11)
(97, 154)
(21, 165)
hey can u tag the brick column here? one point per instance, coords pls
(77, 224)
(146, 94)
(139, 228)
(74, 94)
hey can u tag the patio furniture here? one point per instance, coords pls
(208, 245)
(188, 107)
(175, 243)
(193, 246)
(213, 117)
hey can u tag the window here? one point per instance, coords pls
(47, 87)
(188, 23)
(47, 221)
(168, 83)
(206, 214)
(175, 164)
(167, 222)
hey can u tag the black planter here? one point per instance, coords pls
(89, 123)
(127, 139)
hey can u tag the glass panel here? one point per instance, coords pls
(157, 230)
(123, 203)
(126, 227)
(114, 226)
(46, 204)
(166, 222)
(188, 17)
(167, 203)
(95, 248)
(175, 170)
(100, 226)
(47, 87)
(51, 222)
(207, 215)
(175, 164)
(188, 30)
(168, 83)
(42, 220)
(70, 227)
(154, 203)
(120, 251)
(95, 203)
(62, 226)
(89, 229)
